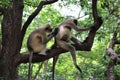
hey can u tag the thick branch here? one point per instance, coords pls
(86, 45)
(24, 58)
(33, 15)
(97, 23)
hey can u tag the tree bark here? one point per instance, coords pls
(11, 28)
(113, 57)
(12, 37)
(85, 45)
(13, 34)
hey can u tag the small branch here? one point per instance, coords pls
(40, 66)
(94, 10)
(110, 70)
(113, 55)
(84, 46)
(44, 70)
(33, 15)
(97, 23)
(117, 42)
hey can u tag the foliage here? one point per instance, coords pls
(32, 3)
(46, 16)
(5, 3)
(93, 63)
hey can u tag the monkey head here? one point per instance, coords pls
(70, 23)
(48, 28)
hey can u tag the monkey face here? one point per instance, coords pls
(48, 29)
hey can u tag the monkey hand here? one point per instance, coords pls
(55, 31)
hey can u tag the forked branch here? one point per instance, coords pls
(33, 15)
(86, 45)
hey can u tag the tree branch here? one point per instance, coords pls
(84, 46)
(117, 42)
(113, 41)
(94, 10)
(113, 55)
(110, 70)
(24, 58)
(97, 23)
(33, 15)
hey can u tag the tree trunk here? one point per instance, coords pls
(13, 34)
(11, 37)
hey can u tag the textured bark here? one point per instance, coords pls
(86, 44)
(33, 15)
(110, 70)
(13, 34)
(12, 37)
(11, 26)
(113, 56)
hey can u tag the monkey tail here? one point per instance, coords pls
(30, 65)
(78, 68)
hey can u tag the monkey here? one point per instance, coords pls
(62, 40)
(37, 41)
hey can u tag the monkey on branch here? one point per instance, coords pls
(64, 36)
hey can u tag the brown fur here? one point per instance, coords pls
(62, 38)
(38, 38)
(37, 43)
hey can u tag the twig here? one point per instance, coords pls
(85, 46)
(33, 15)
(44, 71)
(113, 55)
(40, 66)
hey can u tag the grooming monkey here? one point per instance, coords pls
(37, 41)
(62, 38)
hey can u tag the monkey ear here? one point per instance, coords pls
(47, 26)
(75, 21)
